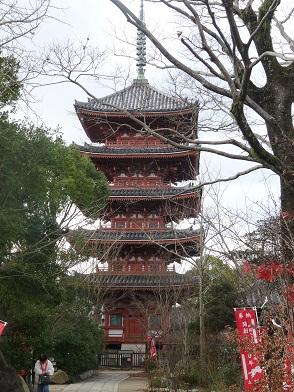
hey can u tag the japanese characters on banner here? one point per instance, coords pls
(246, 322)
(2, 327)
(252, 372)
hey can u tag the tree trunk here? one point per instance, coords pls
(287, 239)
(278, 101)
(287, 207)
(3, 362)
(202, 342)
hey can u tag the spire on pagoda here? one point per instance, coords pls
(141, 48)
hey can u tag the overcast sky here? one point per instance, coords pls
(101, 21)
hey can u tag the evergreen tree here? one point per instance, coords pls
(40, 178)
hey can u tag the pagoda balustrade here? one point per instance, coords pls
(136, 141)
(136, 181)
(133, 226)
(129, 269)
(140, 222)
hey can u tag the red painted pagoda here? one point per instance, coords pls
(137, 245)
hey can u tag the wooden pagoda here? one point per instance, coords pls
(138, 245)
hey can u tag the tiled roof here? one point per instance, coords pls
(130, 236)
(139, 96)
(115, 151)
(151, 192)
(143, 281)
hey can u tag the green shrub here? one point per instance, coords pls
(230, 373)
(76, 347)
(190, 376)
(150, 365)
(217, 376)
(158, 382)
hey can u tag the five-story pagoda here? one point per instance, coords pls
(138, 245)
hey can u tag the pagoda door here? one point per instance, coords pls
(136, 327)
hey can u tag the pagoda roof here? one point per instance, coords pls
(153, 193)
(138, 97)
(164, 236)
(147, 281)
(124, 152)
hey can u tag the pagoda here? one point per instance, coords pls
(138, 244)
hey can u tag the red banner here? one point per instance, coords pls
(252, 372)
(247, 327)
(288, 381)
(247, 324)
(2, 327)
(152, 348)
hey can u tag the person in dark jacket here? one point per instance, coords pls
(9, 380)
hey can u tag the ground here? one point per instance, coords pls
(107, 381)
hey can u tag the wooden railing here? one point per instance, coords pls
(129, 270)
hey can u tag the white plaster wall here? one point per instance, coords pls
(137, 348)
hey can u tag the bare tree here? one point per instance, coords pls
(228, 58)
(233, 39)
(19, 22)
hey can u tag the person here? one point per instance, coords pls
(9, 380)
(43, 366)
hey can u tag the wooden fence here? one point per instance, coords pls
(121, 360)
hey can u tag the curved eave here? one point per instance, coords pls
(126, 113)
(145, 155)
(106, 236)
(164, 241)
(150, 287)
(180, 196)
(173, 282)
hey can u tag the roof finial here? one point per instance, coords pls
(141, 47)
